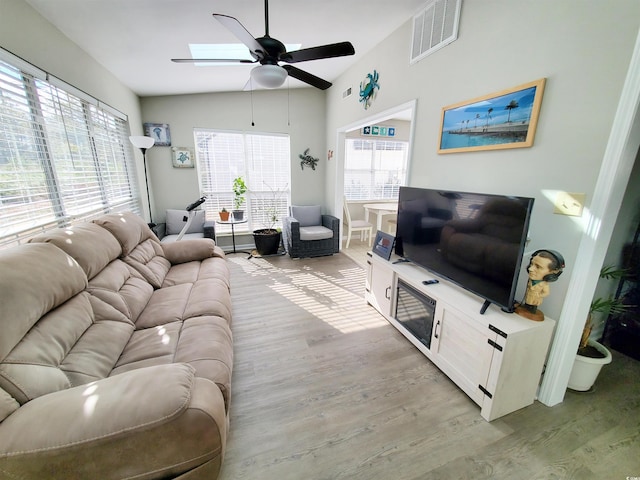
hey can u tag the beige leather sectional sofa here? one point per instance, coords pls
(115, 355)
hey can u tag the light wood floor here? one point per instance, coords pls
(324, 388)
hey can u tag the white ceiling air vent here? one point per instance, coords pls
(434, 27)
(346, 93)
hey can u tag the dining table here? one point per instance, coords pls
(379, 209)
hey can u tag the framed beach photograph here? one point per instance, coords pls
(505, 119)
(159, 132)
(383, 244)
(183, 157)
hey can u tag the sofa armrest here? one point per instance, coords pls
(210, 229)
(190, 250)
(123, 426)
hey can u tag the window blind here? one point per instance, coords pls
(263, 160)
(62, 158)
(374, 169)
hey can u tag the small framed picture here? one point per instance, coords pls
(159, 132)
(383, 245)
(183, 157)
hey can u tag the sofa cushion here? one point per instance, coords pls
(129, 229)
(182, 301)
(55, 338)
(148, 259)
(175, 222)
(174, 238)
(214, 267)
(26, 296)
(8, 405)
(66, 348)
(90, 245)
(307, 215)
(204, 342)
(121, 287)
(317, 232)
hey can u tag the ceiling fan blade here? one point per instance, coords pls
(341, 49)
(235, 27)
(307, 77)
(212, 60)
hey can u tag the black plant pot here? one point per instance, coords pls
(267, 241)
(238, 215)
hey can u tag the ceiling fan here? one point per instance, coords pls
(269, 52)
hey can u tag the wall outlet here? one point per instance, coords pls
(569, 204)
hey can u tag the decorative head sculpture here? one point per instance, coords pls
(544, 267)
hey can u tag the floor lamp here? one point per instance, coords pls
(144, 143)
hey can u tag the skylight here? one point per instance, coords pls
(231, 51)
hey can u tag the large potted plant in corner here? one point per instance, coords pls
(268, 238)
(592, 355)
(239, 189)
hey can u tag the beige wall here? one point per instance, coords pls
(299, 113)
(501, 44)
(26, 34)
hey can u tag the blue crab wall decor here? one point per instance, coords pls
(308, 160)
(368, 88)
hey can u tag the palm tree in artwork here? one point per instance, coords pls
(489, 115)
(476, 122)
(512, 104)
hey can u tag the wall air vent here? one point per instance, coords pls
(434, 27)
(346, 93)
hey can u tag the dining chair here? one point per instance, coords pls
(353, 226)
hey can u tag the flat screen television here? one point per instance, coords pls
(475, 240)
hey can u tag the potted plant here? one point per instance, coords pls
(268, 238)
(224, 214)
(592, 355)
(239, 189)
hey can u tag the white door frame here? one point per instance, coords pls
(599, 222)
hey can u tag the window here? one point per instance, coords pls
(62, 158)
(374, 169)
(263, 160)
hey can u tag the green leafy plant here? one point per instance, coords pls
(604, 306)
(239, 189)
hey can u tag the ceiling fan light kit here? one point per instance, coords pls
(268, 51)
(269, 76)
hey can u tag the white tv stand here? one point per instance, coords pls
(496, 358)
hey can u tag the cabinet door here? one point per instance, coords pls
(461, 350)
(379, 286)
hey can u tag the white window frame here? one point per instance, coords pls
(368, 175)
(262, 159)
(64, 156)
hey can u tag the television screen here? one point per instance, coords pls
(474, 240)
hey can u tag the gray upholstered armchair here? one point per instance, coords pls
(308, 233)
(176, 220)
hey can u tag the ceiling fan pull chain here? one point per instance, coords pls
(251, 84)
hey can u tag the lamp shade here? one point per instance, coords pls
(140, 141)
(269, 76)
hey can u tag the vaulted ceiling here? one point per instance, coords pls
(136, 39)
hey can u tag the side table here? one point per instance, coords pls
(233, 222)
